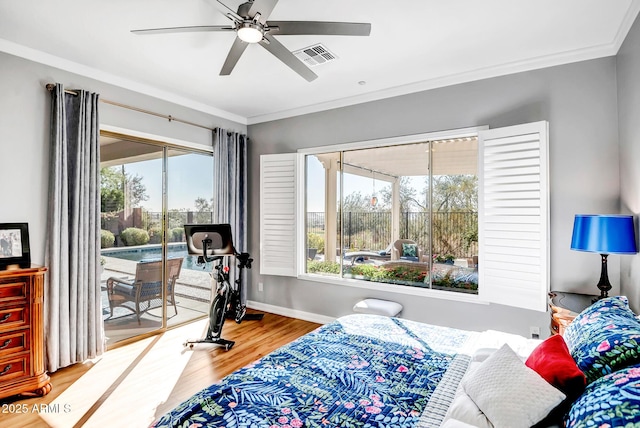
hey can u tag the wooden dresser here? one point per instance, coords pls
(22, 332)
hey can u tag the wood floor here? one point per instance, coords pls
(133, 385)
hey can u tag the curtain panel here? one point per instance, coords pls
(230, 181)
(74, 329)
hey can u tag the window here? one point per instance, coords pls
(401, 214)
(425, 212)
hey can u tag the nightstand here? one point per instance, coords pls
(565, 307)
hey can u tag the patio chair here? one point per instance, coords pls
(145, 287)
(406, 249)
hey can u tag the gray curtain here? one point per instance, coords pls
(230, 182)
(73, 311)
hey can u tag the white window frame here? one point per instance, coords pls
(529, 294)
(383, 142)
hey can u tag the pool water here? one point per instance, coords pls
(154, 252)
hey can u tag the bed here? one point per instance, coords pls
(374, 371)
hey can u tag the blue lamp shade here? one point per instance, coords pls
(604, 234)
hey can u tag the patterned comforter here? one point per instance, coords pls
(358, 371)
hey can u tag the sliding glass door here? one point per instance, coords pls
(149, 191)
(189, 201)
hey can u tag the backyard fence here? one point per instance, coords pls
(151, 221)
(454, 233)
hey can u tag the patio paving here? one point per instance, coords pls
(193, 291)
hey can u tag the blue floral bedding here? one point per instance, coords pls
(358, 371)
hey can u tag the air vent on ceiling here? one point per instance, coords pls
(315, 55)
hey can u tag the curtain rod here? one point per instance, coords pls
(51, 86)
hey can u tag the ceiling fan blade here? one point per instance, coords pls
(283, 54)
(319, 28)
(190, 29)
(233, 56)
(263, 7)
(228, 12)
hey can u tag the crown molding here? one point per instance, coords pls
(449, 80)
(112, 79)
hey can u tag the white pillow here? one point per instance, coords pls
(463, 409)
(509, 393)
(454, 423)
(378, 307)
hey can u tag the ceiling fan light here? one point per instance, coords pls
(250, 33)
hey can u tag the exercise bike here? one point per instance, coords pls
(212, 243)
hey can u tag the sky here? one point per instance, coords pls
(352, 183)
(190, 176)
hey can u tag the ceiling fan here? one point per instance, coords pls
(251, 26)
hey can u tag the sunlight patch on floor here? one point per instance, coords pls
(151, 367)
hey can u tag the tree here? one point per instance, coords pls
(454, 226)
(356, 202)
(115, 185)
(455, 193)
(408, 196)
(203, 205)
(204, 210)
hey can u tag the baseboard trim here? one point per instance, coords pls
(288, 312)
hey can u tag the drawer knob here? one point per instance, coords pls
(6, 369)
(5, 344)
(5, 317)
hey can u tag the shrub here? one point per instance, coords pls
(107, 239)
(134, 236)
(403, 274)
(177, 234)
(469, 237)
(315, 240)
(323, 266)
(447, 258)
(369, 271)
(155, 235)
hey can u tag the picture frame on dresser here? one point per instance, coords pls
(14, 245)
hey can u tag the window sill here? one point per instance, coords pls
(394, 288)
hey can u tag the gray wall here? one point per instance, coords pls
(578, 100)
(24, 134)
(628, 67)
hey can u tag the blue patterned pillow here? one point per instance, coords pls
(409, 250)
(604, 338)
(611, 401)
(583, 324)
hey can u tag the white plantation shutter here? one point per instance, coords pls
(278, 251)
(514, 216)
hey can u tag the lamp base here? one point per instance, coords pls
(603, 285)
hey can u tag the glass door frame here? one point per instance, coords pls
(166, 146)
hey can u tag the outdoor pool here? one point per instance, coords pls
(154, 252)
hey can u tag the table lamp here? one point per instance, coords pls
(604, 234)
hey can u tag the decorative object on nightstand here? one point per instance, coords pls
(565, 307)
(604, 234)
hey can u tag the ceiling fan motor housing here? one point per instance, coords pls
(243, 9)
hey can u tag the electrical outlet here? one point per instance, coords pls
(260, 287)
(535, 332)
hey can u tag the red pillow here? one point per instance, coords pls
(552, 360)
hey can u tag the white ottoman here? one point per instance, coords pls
(378, 307)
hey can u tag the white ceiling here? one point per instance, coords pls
(414, 45)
